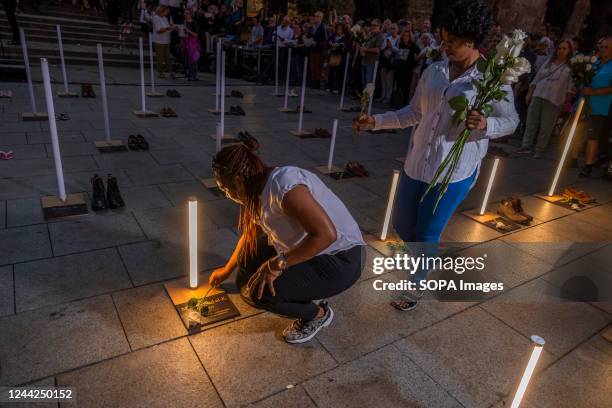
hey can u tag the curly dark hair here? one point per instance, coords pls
(469, 20)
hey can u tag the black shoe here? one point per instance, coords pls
(240, 111)
(113, 195)
(98, 197)
(142, 143)
(236, 94)
(586, 171)
(232, 110)
(132, 142)
(84, 90)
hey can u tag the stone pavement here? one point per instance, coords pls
(82, 301)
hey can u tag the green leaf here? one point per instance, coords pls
(459, 117)
(192, 302)
(486, 110)
(482, 65)
(458, 103)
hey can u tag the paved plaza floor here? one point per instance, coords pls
(83, 304)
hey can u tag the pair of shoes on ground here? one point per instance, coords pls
(579, 195)
(236, 94)
(301, 331)
(512, 209)
(167, 112)
(6, 94)
(246, 138)
(87, 91)
(62, 116)
(173, 93)
(6, 155)
(355, 169)
(237, 110)
(322, 133)
(102, 198)
(137, 142)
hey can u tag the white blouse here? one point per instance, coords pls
(553, 82)
(435, 135)
(285, 233)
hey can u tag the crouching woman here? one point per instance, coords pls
(299, 242)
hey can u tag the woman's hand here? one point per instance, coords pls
(587, 91)
(218, 276)
(266, 277)
(364, 122)
(476, 121)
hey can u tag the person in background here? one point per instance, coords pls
(386, 61)
(257, 33)
(576, 44)
(338, 45)
(319, 36)
(270, 32)
(161, 39)
(10, 8)
(236, 19)
(405, 62)
(370, 52)
(425, 29)
(541, 51)
(190, 46)
(284, 32)
(299, 243)
(549, 92)
(299, 53)
(146, 18)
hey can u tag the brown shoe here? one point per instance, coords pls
(578, 195)
(512, 210)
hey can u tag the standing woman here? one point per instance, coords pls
(405, 62)
(386, 60)
(161, 39)
(463, 29)
(299, 242)
(551, 90)
(338, 44)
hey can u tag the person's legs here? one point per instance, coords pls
(316, 66)
(10, 6)
(406, 205)
(159, 54)
(549, 115)
(533, 122)
(367, 72)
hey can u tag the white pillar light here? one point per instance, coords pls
(57, 158)
(26, 62)
(538, 346)
(276, 69)
(483, 208)
(63, 62)
(304, 73)
(344, 78)
(143, 105)
(566, 148)
(222, 93)
(374, 82)
(288, 75)
(332, 144)
(103, 93)
(392, 191)
(193, 242)
(151, 64)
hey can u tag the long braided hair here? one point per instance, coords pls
(241, 160)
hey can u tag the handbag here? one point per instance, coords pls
(334, 60)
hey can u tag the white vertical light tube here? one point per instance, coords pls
(218, 137)
(304, 73)
(288, 74)
(276, 69)
(193, 242)
(374, 82)
(483, 208)
(330, 160)
(151, 63)
(60, 45)
(26, 62)
(566, 148)
(142, 82)
(392, 191)
(57, 157)
(222, 94)
(538, 346)
(103, 93)
(344, 78)
(218, 76)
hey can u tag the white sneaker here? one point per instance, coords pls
(301, 331)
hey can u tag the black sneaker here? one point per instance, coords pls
(113, 195)
(586, 171)
(232, 110)
(240, 111)
(301, 331)
(98, 197)
(142, 143)
(404, 305)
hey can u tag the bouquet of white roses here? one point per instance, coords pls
(582, 70)
(501, 67)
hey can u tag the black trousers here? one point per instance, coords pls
(321, 277)
(10, 7)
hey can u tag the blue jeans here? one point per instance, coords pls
(415, 221)
(367, 74)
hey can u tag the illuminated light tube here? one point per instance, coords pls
(193, 242)
(489, 185)
(392, 191)
(538, 346)
(566, 148)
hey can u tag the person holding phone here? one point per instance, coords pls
(161, 39)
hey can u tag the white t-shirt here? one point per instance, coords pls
(283, 232)
(159, 23)
(285, 33)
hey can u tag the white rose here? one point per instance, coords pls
(573, 60)
(589, 67)
(509, 76)
(369, 89)
(521, 65)
(501, 49)
(580, 58)
(515, 51)
(518, 36)
(593, 59)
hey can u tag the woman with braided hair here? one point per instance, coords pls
(299, 242)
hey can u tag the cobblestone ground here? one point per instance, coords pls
(83, 304)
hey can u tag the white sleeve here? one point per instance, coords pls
(504, 119)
